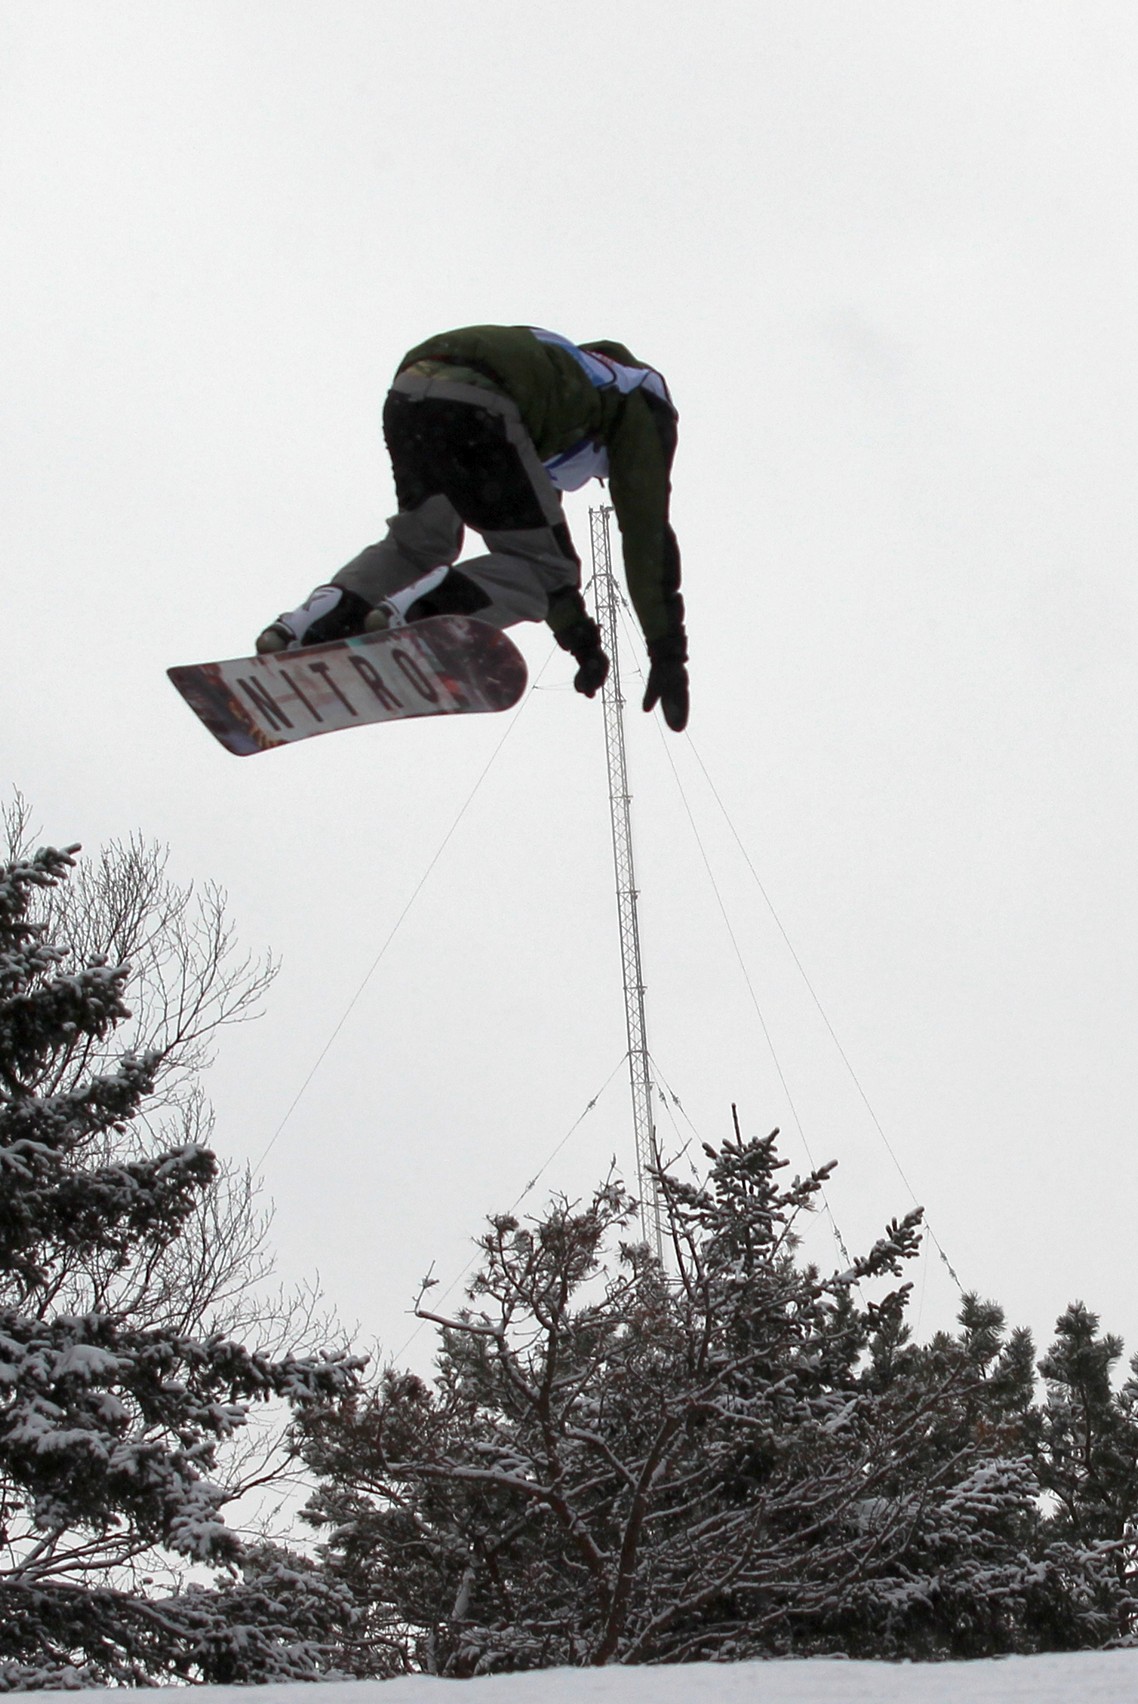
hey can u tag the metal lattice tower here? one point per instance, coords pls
(607, 601)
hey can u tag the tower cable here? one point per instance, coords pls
(822, 1013)
(397, 925)
(800, 967)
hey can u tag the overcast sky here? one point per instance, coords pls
(885, 254)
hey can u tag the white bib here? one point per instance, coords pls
(587, 460)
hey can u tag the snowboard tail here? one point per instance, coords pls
(446, 665)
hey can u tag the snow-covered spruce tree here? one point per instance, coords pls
(740, 1457)
(273, 1617)
(980, 1572)
(1088, 1464)
(1089, 1432)
(188, 979)
(109, 1427)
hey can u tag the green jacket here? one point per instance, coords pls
(559, 407)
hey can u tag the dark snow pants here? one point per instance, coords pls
(462, 457)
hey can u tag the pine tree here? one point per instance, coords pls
(1088, 1464)
(736, 1457)
(109, 1429)
(732, 1456)
(1090, 1432)
(970, 1579)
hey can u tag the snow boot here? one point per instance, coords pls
(444, 591)
(331, 612)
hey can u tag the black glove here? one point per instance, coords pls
(668, 679)
(583, 641)
(593, 672)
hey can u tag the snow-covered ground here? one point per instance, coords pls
(1106, 1677)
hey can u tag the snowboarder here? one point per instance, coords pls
(485, 427)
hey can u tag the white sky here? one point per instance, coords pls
(885, 255)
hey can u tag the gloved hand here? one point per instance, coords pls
(593, 671)
(668, 679)
(582, 640)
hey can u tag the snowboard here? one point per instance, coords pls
(443, 666)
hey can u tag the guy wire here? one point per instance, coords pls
(395, 927)
(842, 1054)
